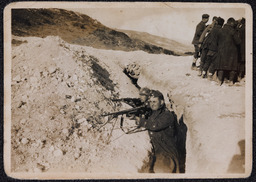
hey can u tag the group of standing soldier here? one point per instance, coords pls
(221, 48)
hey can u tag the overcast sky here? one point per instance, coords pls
(174, 23)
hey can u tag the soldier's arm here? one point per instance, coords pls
(134, 102)
(199, 29)
(207, 29)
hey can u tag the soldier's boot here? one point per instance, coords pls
(220, 77)
(232, 75)
(199, 73)
(151, 171)
(204, 75)
(240, 76)
(193, 66)
(210, 76)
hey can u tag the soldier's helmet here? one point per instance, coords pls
(145, 91)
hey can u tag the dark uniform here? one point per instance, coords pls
(161, 128)
(212, 47)
(204, 50)
(241, 52)
(199, 30)
(227, 59)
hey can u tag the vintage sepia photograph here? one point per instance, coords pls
(127, 90)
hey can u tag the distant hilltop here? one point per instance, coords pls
(76, 28)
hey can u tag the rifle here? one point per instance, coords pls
(118, 100)
(133, 111)
(136, 110)
(134, 102)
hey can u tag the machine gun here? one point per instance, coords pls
(134, 102)
(118, 100)
(128, 112)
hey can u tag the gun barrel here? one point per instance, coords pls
(127, 111)
(116, 100)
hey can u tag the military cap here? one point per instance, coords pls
(157, 93)
(220, 21)
(205, 16)
(215, 18)
(231, 20)
(145, 91)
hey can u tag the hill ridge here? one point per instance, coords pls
(77, 28)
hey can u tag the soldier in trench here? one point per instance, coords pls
(161, 128)
(143, 100)
(136, 102)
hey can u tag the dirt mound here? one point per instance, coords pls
(79, 29)
(58, 94)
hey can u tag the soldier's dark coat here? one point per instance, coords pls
(206, 30)
(213, 38)
(242, 45)
(161, 128)
(228, 41)
(199, 30)
(210, 46)
(241, 54)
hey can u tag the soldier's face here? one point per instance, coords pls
(143, 98)
(155, 103)
(205, 20)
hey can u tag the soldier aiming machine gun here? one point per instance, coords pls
(137, 111)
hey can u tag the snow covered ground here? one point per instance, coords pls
(57, 95)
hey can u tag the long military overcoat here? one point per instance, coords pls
(213, 38)
(228, 41)
(161, 128)
(242, 45)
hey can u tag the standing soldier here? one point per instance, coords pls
(227, 59)
(161, 129)
(212, 47)
(204, 41)
(199, 30)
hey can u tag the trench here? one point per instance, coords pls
(206, 151)
(180, 135)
